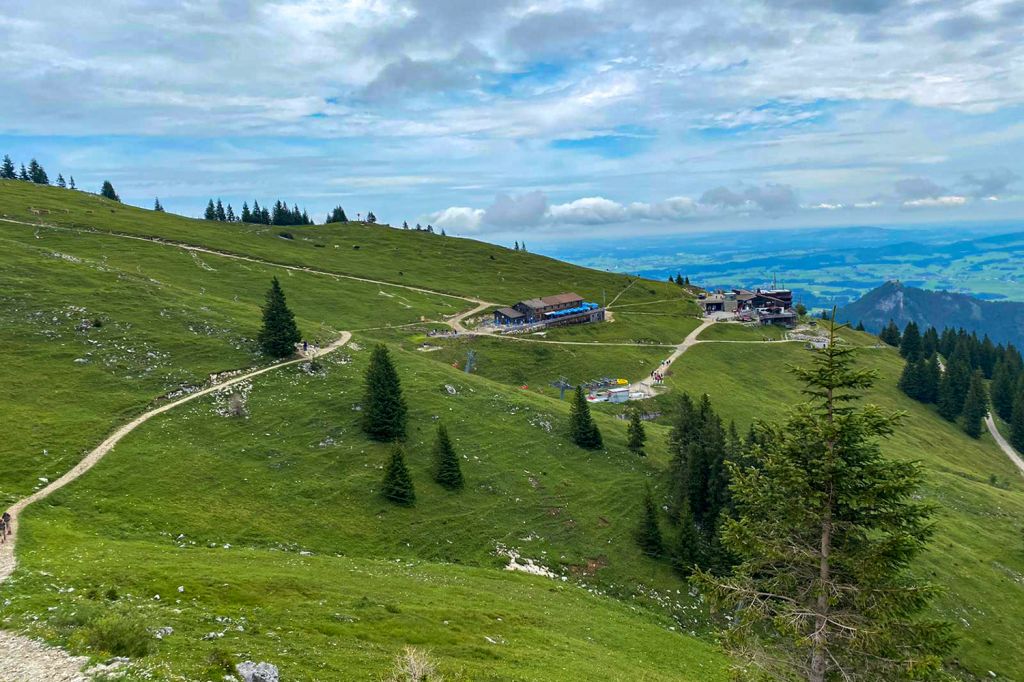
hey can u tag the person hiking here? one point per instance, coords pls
(7, 521)
(305, 346)
(3, 531)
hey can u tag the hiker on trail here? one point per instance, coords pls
(305, 346)
(3, 531)
(6, 518)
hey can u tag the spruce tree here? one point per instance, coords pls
(911, 379)
(246, 214)
(953, 389)
(447, 471)
(71, 183)
(219, 213)
(929, 342)
(397, 486)
(910, 342)
(7, 171)
(1017, 421)
(1003, 388)
(107, 191)
(36, 173)
(582, 429)
(230, 214)
(975, 405)
(688, 553)
(61, 182)
(932, 378)
(23, 174)
(370, 218)
(825, 532)
(384, 409)
(648, 535)
(635, 434)
(211, 211)
(890, 334)
(157, 206)
(279, 334)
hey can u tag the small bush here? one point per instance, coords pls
(97, 323)
(120, 635)
(412, 665)
(285, 235)
(112, 594)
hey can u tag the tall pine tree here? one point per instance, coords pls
(107, 191)
(648, 535)
(279, 334)
(825, 532)
(890, 334)
(384, 409)
(1004, 383)
(635, 434)
(7, 171)
(582, 429)
(447, 471)
(975, 405)
(1017, 421)
(397, 486)
(910, 342)
(953, 388)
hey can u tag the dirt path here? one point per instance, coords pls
(1004, 446)
(23, 659)
(646, 385)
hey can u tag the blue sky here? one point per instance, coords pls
(542, 121)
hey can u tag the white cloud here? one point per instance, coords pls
(936, 202)
(457, 218)
(588, 211)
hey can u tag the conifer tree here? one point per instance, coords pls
(910, 342)
(279, 334)
(825, 532)
(71, 182)
(230, 214)
(932, 378)
(211, 211)
(370, 218)
(384, 409)
(447, 471)
(157, 206)
(445, 234)
(1017, 421)
(23, 174)
(405, 225)
(246, 213)
(635, 434)
(582, 429)
(648, 535)
(107, 191)
(61, 182)
(912, 379)
(929, 342)
(219, 213)
(36, 173)
(516, 247)
(522, 246)
(890, 334)
(7, 171)
(953, 388)
(1003, 388)
(257, 212)
(975, 405)
(397, 486)
(688, 553)
(337, 215)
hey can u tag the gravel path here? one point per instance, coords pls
(26, 660)
(1006, 447)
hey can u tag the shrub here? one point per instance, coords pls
(120, 635)
(412, 665)
(285, 235)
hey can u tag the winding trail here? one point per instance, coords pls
(7, 558)
(23, 659)
(1003, 445)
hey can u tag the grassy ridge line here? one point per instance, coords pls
(227, 254)
(449, 264)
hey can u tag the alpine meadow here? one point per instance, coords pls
(441, 341)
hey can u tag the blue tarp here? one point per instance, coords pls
(585, 308)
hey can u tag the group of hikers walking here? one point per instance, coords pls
(5, 526)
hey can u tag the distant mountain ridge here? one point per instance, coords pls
(1003, 321)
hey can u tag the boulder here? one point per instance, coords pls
(257, 672)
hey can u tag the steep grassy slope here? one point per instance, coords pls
(977, 553)
(460, 266)
(297, 475)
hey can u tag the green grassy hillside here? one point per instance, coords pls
(271, 523)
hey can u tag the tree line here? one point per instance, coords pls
(961, 375)
(34, 173)
(801, 534)
(278, 214)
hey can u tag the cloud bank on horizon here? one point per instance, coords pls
(568, 117)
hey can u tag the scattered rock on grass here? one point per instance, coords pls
(258, 672)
